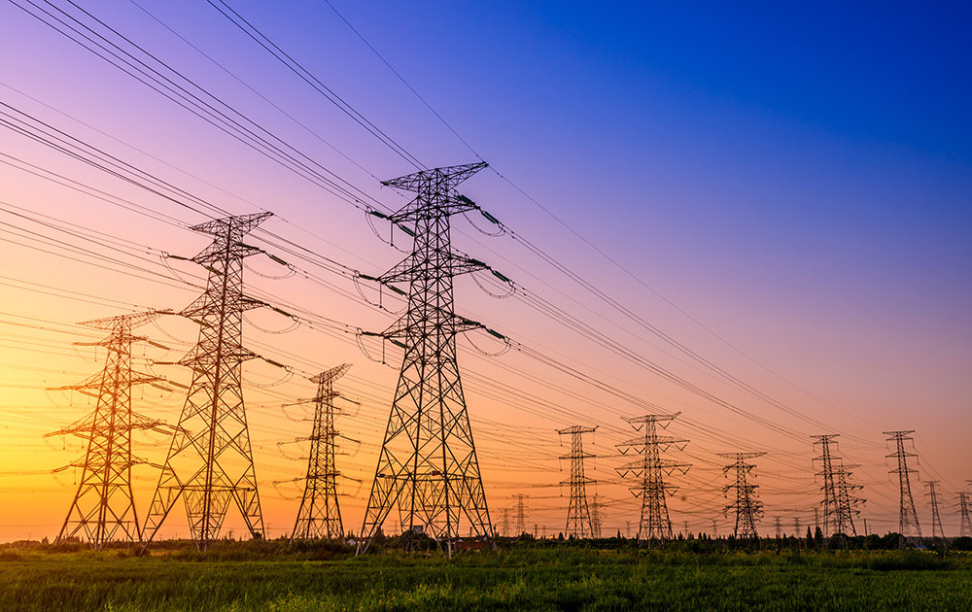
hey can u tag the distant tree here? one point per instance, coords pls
(962, 543)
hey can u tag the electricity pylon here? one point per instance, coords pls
(747, 507)
(938, 533)
(520, 515)
(210, 461)
(506, 523)
(319, 515)
(779, 527)
(103, 508)
(427, 466)
(964, 514)
(595, 517)
(579, 521)
(908, 525)
(839, 505)
(655, 525)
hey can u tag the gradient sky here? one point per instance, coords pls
(795, 179)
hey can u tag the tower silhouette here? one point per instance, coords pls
(595, 517)
(580, 524)
(319, 515)
(964, 515)
(520, 516)
(655, 525)
(210, 461)
(747, 507)
(839, 504)
(938, 533)
(103, 509)
(908, 525)
(427, 465)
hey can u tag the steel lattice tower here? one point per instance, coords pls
(103, 508)
(838, 503)
(210, 461)
(506, 522)
(655, 525)
(319, 515)
(938, 533)
(595, 517)
(428, 466)
(580, 524)
(748, 509)
(520, 515)
(964, 513)
(908, 525)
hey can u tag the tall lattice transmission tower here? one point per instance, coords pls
(210, 461)
(319, 515)
(520, 515)
(966, 530)
(908, 525)
(428, 466)
(650, 468)
(103, 509)
(596, 517)
(839, 504)
(938, 533)
(580, 524)
(747, 507)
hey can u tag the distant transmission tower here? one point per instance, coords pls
(428, 466)
(506, 522)
(520, 516)
(103, 509)
(779, 527)
(908, 525)
(747, 507)
(320, 515)
(595, 517)
(580, 524)
(210, 461)
(655, 526)
(839, 505)
(964, 514)
(938, 533)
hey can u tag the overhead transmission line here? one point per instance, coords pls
(314, 82)
(576, 278)
(224, 3)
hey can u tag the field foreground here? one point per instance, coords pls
(521, 579)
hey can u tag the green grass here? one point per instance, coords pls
(554, 578)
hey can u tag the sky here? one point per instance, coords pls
(783, 191)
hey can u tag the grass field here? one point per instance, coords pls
(553, 578)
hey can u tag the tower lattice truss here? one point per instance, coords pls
(747, 507)
(319, 515)
(210, 461)
(580, 519)
(908, 525)
(839, 503)
(427, 467)
(651, 468)
(938, 532)
(103, 509)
